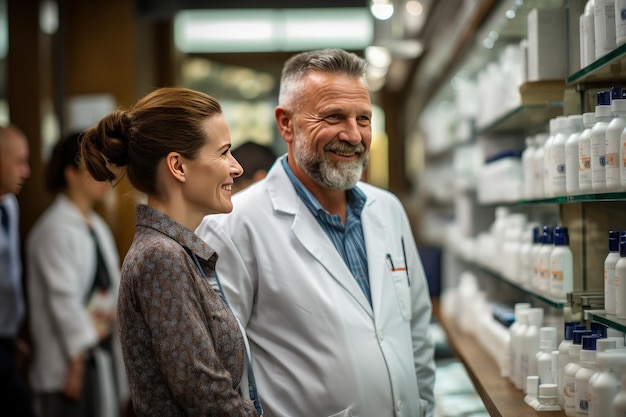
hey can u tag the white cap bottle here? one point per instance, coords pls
(547, 344)
(518, 326)
(530, 342)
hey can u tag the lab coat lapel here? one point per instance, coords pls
(309, 234)
(319, 246)
(374, 232)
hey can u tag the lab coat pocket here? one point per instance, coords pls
(401, 283)
(344, 413)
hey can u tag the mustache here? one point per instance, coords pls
(345, 147)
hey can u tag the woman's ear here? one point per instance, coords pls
(175, 166)
(70, 173)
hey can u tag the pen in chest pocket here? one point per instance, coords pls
(401, 268)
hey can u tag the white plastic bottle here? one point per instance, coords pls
(620, 279)
(547, 158)
(587, 35)
(604, 384)
(557, 155)
(515, 330)
(587, 369)
(543, 261)
(598, 140)
(620, 22)
(510, 248)
(530, 342)
(538, 156)
(534, 257)
(528, 172)
(597, 393)
(571, 154)
(584, 154)
(547, 344)
(613, 140)
(604, 27)
(609, 272)
(568, 337)
(622, 158)
(524, 260)
(569, 379)
(561, 265)
(619, 403)
(518, 347)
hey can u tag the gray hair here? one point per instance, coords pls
(333, 61)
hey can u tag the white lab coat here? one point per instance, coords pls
(61, 258)
(318, 347)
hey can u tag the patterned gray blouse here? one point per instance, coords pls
(183, 349)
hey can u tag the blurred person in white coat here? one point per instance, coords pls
(323, 269)
(72, 281)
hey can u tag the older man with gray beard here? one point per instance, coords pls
(322, 269)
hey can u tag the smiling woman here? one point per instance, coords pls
(174, 145)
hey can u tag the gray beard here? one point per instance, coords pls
(327, 173)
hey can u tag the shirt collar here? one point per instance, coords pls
(152, 218)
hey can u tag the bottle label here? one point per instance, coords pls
(556, 269)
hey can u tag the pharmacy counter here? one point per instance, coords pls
(499, 395)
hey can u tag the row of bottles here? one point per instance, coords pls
(580, 375)
(581, 154)
(615, 275)
(535, 257)
(602, 29)
(540, 259)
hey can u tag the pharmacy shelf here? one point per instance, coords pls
(609, 320)
(610, 68)
(522, 117)
(585, 198)
(499, 395)
(553, 302)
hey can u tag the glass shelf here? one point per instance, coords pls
(607, 319)
(607, 69)
(529, 291)
(522, 117)
(613, 196)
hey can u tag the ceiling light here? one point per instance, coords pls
(378, 56)
(381, 9)
(266, 30)
(414, 8)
